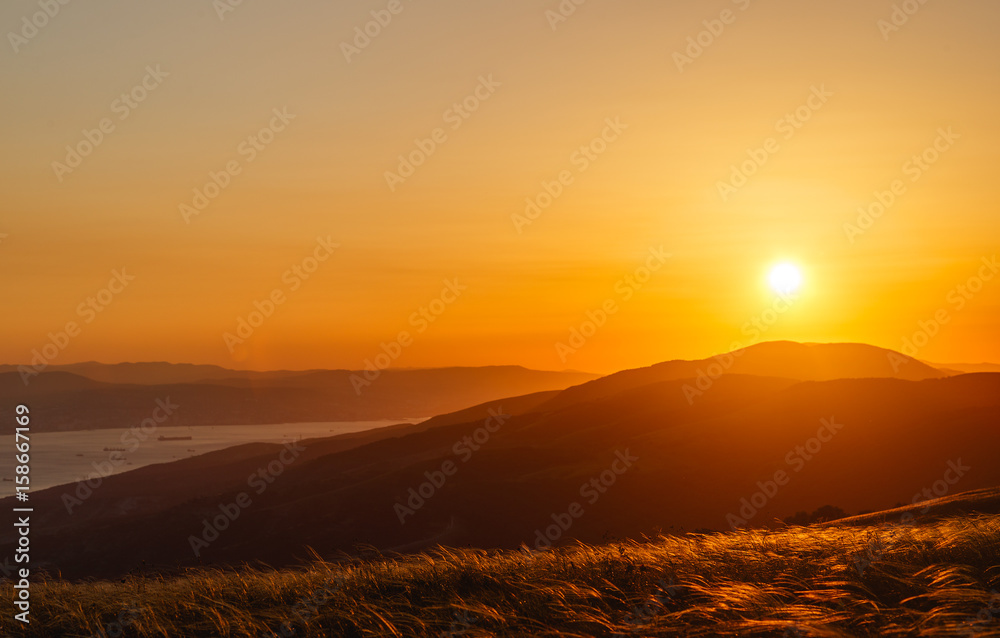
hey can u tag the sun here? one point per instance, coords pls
(785, 279)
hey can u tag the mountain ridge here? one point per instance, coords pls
(344, 491)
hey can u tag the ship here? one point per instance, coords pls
(173, 438)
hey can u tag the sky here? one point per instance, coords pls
(592, 186)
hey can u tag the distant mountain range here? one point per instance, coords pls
(92, 395)
(776, 429)
(157, 372)
(965, 368)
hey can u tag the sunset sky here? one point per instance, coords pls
(664, 128)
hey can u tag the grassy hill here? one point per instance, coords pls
(936, 578)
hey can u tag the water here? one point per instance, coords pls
(58, 458)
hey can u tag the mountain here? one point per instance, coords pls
(153, 373)
(784, 359)
(67, 401)
(589, 462)
(966, 368)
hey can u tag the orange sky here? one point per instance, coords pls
(663, 132)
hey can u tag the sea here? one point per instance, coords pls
(58, 458)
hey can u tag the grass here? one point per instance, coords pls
(936, 579)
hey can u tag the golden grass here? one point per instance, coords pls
(935, 579)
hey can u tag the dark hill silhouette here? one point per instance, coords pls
(785, 359)
(695, 462)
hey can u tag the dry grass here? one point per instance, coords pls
(937, 579)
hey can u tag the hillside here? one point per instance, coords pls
(930, 579)
(684, 465)
(779, 359)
